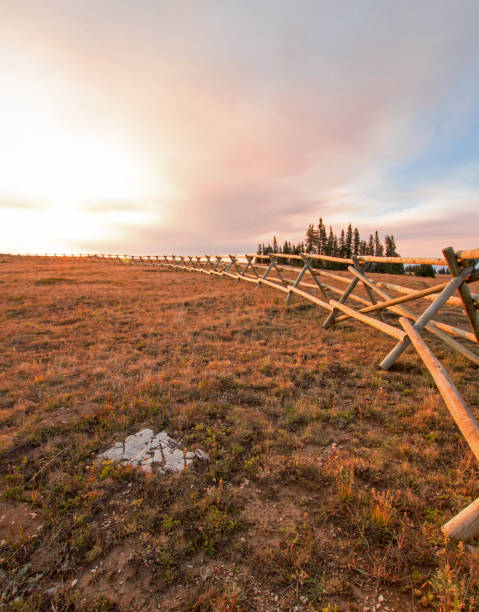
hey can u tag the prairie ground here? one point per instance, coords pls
(328, 482)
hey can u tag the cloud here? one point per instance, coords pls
(118, 206)
(262, 116)
(21, 203)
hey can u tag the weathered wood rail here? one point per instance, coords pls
(376, 300)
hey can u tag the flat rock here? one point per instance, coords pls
(149, 451)
(202, 455)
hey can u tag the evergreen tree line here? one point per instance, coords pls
(425, 270)
(349, 242)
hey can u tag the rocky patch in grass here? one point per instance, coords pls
(148, 451)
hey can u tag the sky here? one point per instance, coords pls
(195, 126)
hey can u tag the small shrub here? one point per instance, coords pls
(424, 270)
(382, 510)
(346, 485)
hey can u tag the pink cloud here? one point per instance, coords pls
(263, 117)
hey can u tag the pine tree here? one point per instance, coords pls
(356, 241)
(378, 247)
(330, 243)
(322, 237)
(370, 247)
(342, 244)
(310, 239)
(348, 247)
(391, 249)
(317, 240)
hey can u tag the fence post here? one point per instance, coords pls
(464, 292)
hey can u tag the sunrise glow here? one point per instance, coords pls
(166, 129)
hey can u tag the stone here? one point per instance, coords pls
(148, 451)
(201, 455)
(115, 454)
(175, 460)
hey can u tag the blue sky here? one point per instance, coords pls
(210, 126)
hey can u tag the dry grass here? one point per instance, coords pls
(329, 479)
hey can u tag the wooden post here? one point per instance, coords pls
(234, 262)
(451, 396)
(342, 299)
(274, 261)
(369, 291)
(472, 279)
(399, 300)
(433, 326)
(465, 525)
(311, 298)
(452, 300)
(463, 290)
(219, 261)
(209, 262)
(390, 330)
(468, 254)
(263, 281)
(267, 271)
(433, 261)
(249, 265)
(424, 319)
(319, 284)
(339, 292)
(227, 268)
(299, 278)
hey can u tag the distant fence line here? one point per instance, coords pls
(463, 266)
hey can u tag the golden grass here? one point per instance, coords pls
(329, 478)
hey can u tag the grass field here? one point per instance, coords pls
(329, 479)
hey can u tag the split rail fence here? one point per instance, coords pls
(273, 271)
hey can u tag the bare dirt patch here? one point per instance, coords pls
(117, 577)
(19, 521)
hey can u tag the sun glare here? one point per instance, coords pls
(75, 173)
(44, 156)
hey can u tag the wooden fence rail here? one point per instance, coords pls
(273, 271)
